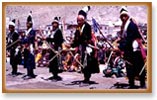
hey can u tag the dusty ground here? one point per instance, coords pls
(70, 80)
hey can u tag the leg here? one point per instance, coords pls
(142, 79)
(87, 77)
(55, 74)
(28, 72)
(32, 73)
(56, 77)
(14, 69)
(28, 76)
(131, 76)
(131, 82)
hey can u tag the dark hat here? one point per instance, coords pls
(124, 11)
(12, 23)
(14, 20)
(56, 20)
(81, 12)
(84, 11)
(29, 18)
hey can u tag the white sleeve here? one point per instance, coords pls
(135, 45)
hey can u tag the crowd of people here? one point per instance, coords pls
(83, 53)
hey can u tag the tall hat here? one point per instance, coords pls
(12, 23)
(56, 20)
(84, 11)
(124, 11)
(29, 18)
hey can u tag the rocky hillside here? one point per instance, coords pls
(43, 15)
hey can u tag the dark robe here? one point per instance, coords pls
(57, 41)
(135, 58)
(82, 41)
(29, 58)
(31, 37)
(15, 59)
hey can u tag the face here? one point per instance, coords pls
(23, 34)
(80, 21)
(124, 17)
(11, 28)
(55, 26)
(29, 25)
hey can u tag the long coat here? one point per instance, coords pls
(29, 59)
(57, 40)
(31, 37)
(135, 58)
(81, 40)
(14, 59)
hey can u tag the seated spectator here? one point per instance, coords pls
(117, 68)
